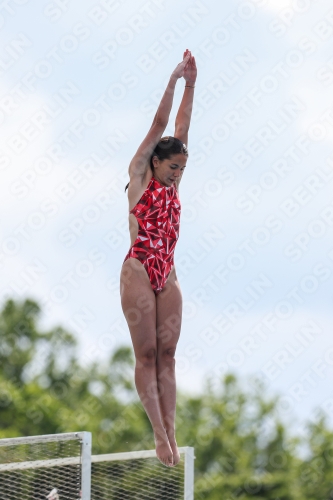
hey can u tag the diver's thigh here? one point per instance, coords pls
(133, 275)
(169, 305)
(138, 303)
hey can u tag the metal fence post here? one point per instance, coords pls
(86, 466)
(189, 474)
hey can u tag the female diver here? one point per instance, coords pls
(150, 293)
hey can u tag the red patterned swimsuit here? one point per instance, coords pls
(158, 216)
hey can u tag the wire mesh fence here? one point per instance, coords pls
(44, 467)
(60, 467)
(140, 476)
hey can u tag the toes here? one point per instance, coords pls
(168, 462)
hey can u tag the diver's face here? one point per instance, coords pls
(170, 170)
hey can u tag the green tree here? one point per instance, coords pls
(241, 448)
(316, 470)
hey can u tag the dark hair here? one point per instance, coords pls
(165, 148)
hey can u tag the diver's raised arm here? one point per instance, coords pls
(140, 161)
(183, 118)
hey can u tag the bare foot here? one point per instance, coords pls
(174, 448)
(163, 450)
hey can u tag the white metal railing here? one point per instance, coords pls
(85, 460)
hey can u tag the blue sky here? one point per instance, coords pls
(80, 84)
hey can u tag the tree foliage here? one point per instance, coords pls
(243, 450)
